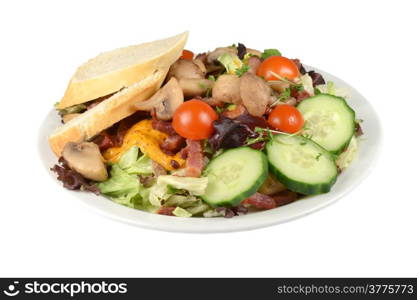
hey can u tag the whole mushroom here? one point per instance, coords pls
(165, 101)
(184, 68)
(85, 158)
(227, 89)
(256, 94)
(191, 76)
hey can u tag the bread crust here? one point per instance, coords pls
(80, 91)
(106, 113)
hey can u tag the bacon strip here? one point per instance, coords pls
(166, 210)
(285, 197)
(194, 158)
(163, 126)
(261, 201)
(172, 144)
(300, 95)
(104, 141)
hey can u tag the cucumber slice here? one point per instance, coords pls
(329, 121)
(234, 175)
(301, 164)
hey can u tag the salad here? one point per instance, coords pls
(230, 131)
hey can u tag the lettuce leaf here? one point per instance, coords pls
(231, 62)
(196, 186)
(330, 88)
(198, 208)
(130, 163)
(270, 52)
(129, 157)
(347, 156)
(183, 201)
(168, 185)
(143, 166)
(75, 109)
(307, 84)
(181, 212)
(120, 183)
(123, 185)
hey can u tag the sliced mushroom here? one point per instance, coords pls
(85, 158)
(255, 93)
(212, 56)
(227, 89)
(184, 68)
(200, 63)
(195, 87)
(68, 117)
(254, 62)
(165, 101)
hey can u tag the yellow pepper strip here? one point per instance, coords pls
(148, 140)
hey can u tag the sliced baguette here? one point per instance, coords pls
(110, 111)
(113, 70)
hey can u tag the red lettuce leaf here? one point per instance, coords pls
(71, 179)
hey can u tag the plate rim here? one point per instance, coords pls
(169, 224)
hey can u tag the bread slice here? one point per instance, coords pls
(111, 71)
(107, 113)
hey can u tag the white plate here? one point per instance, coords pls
(368, 152)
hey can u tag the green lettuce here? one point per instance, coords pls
(181, 212)
(143, 166)
(168, 185)
(270, 52)
(192, 204)
(130, 163)
(184, 201)
(307, 83)
(75, 109)
(123, 185)
(129, 157)
(330, 88)
(198, 208)
(347, 156)
(231, 62)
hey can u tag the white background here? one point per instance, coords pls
(371, 232)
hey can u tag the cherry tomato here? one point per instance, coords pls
(280, 65)
(286, 118)
(187, 54)
(194, 120)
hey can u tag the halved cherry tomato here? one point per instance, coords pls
(286, 118)
(280, 65)
(187, 54)
(194, 120)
